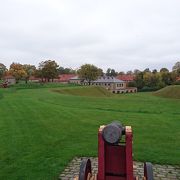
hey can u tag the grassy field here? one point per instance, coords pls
(42, 129)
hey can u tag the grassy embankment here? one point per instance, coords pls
(169, 92)
(42, 130)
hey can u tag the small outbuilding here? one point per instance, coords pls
(76, 80)
(9, 79)
(113, 84)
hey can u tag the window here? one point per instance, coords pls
(119, 85)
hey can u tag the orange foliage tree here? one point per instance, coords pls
(17, 70)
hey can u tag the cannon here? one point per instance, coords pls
(4, 85)
(115, 160)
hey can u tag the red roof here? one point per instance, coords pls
(31, 78)
(9, 77)
(125, 77)
(178, 78)
(65, 77)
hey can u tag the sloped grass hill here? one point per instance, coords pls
(42, 130)
(169, 92)
(86, 91)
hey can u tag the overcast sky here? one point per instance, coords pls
(120, 34)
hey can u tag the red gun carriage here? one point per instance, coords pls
(115, 161)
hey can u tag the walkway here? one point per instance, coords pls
(161, 172)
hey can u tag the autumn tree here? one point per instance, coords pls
(2, 70)
(48, 69)
(17, 70)
(30, 70)
(89, 72)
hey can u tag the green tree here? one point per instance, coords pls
(30, 71)
(108, 72)
(147, 70)
(62, 70)
(166, 77)
(176, 67)
(136, 71)
(100, 72)
(173, 77)
(151, 80)
(121, 73)
(139, 80)
(164, 70)
(89, 72)
(154, 71)
(129, 72)
(2, 70)
(147, 78)
(48, 69)
(111, 72)
(38, 74)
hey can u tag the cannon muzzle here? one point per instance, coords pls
(113, 132)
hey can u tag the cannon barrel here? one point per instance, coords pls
(113, 132)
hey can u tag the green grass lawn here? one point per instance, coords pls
(42, 130)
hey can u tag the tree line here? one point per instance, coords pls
(145, 80)
(153, 80)
(49, 70)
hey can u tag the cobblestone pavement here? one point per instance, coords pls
(161, 172)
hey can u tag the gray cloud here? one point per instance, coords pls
(119, 34)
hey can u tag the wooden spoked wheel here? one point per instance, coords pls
(85, 170)
(148, 171)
